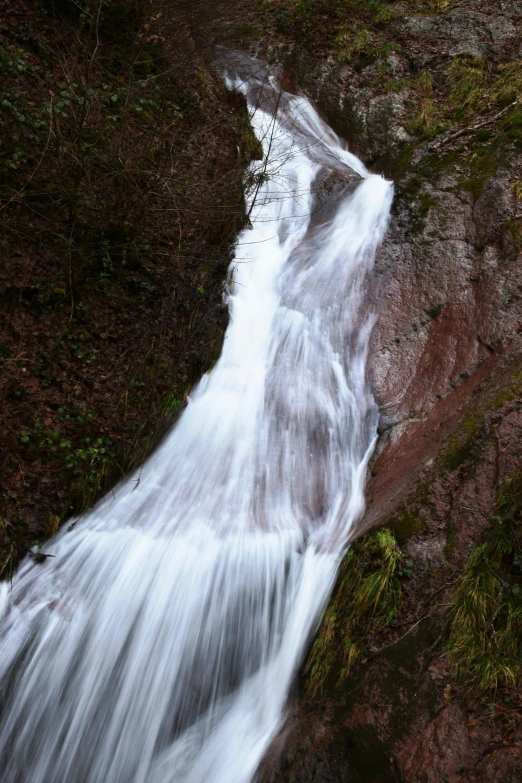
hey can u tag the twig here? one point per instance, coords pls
(427, 601)
(435, 645)
(463, 131)
(424, 617)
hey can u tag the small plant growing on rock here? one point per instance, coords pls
(485, 642)
(366, 599)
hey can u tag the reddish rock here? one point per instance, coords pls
(443, 750)
(446, 368)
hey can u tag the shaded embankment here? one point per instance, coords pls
(121, 191)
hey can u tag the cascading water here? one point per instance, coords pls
(159, 643)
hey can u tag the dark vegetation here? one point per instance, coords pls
(121, 166)
(485, 639)
(350, 29)
(477, 652)
(366, 598)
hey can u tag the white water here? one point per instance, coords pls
(159, 643)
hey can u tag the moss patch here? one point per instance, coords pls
(462, 446)
(406, 524)
(508, 394)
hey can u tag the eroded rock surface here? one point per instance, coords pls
(446, 365)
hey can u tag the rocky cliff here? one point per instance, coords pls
(415, 672)
(428, 689)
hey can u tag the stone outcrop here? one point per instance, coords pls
(446, 366)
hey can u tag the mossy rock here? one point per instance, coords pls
(407, 524)
(508, 394)
(366, 598)
(462, 446)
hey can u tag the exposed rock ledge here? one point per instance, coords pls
(446, 364)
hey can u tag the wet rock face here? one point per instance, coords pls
(447, 286)
(447, 292)
(446, 751)
(442, 749)
(446, 368)
(330, 189)
(310, 752)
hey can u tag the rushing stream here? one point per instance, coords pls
(159, 642)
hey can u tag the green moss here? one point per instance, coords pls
(411, 188)
(513, 226)
(485, 640)
(412, 185)
(401, 165)
(366, 598)
(421, 494)
(244, 32)
(461, 446)
(406, 524)
(507, 395)
(513, 127)
(503, 397)
(426, 203)
(485, 164)
(474, 185)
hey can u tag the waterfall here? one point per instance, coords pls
(159, 642)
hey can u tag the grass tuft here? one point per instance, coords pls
(485, 641)
(366, 598)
